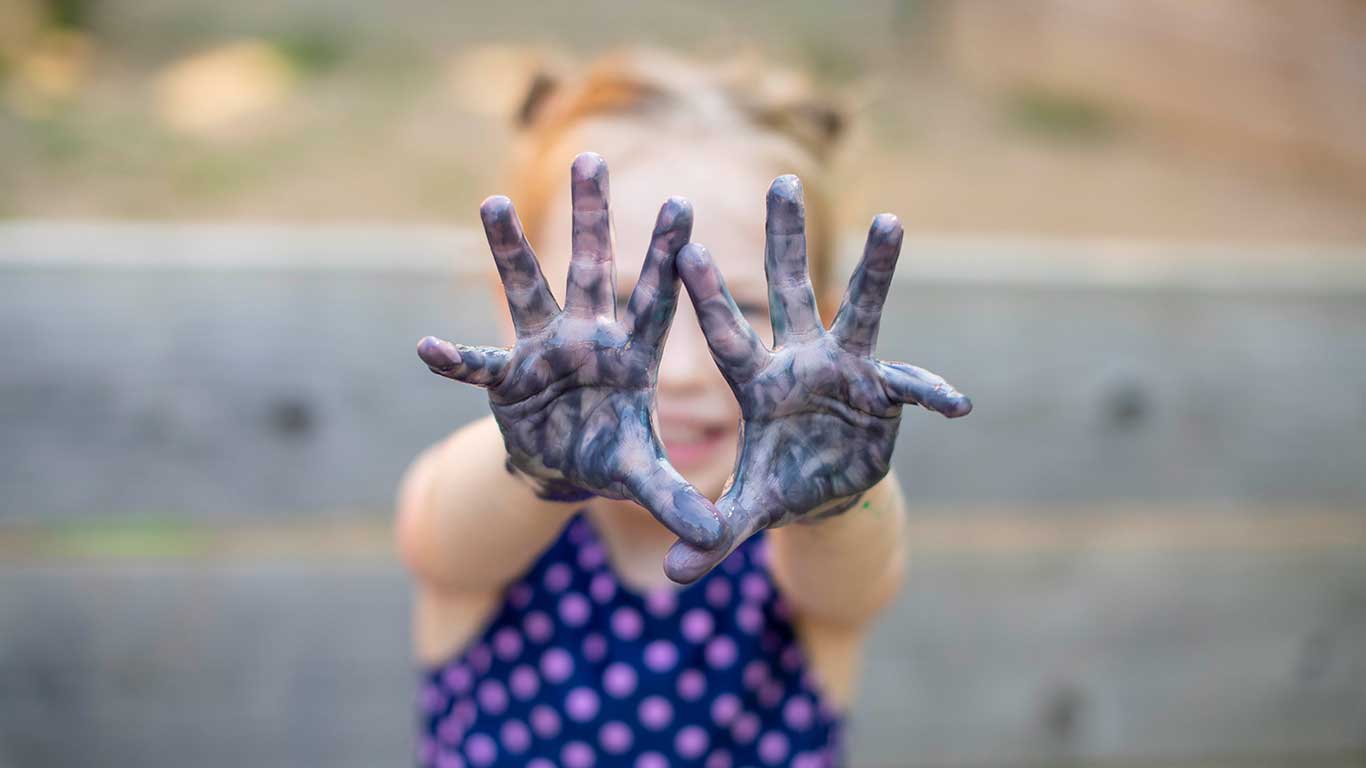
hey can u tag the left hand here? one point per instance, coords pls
(819, 413)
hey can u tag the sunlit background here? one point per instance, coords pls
(1136, 236)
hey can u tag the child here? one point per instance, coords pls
(551, 633)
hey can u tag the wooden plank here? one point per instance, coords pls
(189, 384)
(1177, 649)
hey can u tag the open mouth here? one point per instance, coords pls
(691, 444)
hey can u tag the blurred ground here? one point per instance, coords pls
(311, 110)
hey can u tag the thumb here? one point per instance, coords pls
(677, 505)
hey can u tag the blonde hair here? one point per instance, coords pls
(662, 89)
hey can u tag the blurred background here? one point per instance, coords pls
(1136, 236)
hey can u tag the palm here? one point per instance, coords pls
(574, 397)
(819, 413)
(811, 419)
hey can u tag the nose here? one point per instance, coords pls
(687, 360)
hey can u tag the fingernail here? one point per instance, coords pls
(704, 522)
(588, 165)
(437, 353)
(960, 407)
(693, 256)
(685, 564)
(676, 213)
(495, 207)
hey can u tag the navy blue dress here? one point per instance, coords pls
(576, 670)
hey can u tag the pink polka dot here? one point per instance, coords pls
(718, 592)
(718, 759)
(458, 679)
(791, 658)
(662, 602)
(574, 609)
(692, 684)
(770, 693)
(691, 742)
(697, 625)
(577, 754)
(519, 595)
(450, 732)
(759, 553)
(558, 577)
(652, 760)
(773, 747)
(481, 750)
(756, 672)
(591, 556)
(594, 647)
(807, 760)
(540, 762)
(507, 644)
(545, 721)
(480, 657)
(721, 652)
(782, 608)
(661, 656)
(602, 588)
(627, 623)
(465, 712)
(615, 737)
(538, 626)
(579, 532)
(798, 713)
(655, 712)
(516, 737)
(619, 680)
(556, 665)
(493, 698)
(581, 704)
(754, 587)
(446, 759)
(523, 682)
(431, 699)
(749, 618)
(745, 728)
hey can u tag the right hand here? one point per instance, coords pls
(575, 396)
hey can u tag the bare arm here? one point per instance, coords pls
(843, 570)
(466, 524)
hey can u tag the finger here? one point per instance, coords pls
(792, 302)
(917, 386)
(860, 314)
(685, 563)
(480, 366)
(592, 289)
(655, 297)
(737, 349)
(529, 298)
(677, 505)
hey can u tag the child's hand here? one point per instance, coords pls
(574, 397)
(819, 412)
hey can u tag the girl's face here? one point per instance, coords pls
(698, 415)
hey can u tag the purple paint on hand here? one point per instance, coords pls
(819, 413)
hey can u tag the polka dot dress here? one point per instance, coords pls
(576, 670)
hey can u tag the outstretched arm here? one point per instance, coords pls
(820, 416)
(573, 401)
